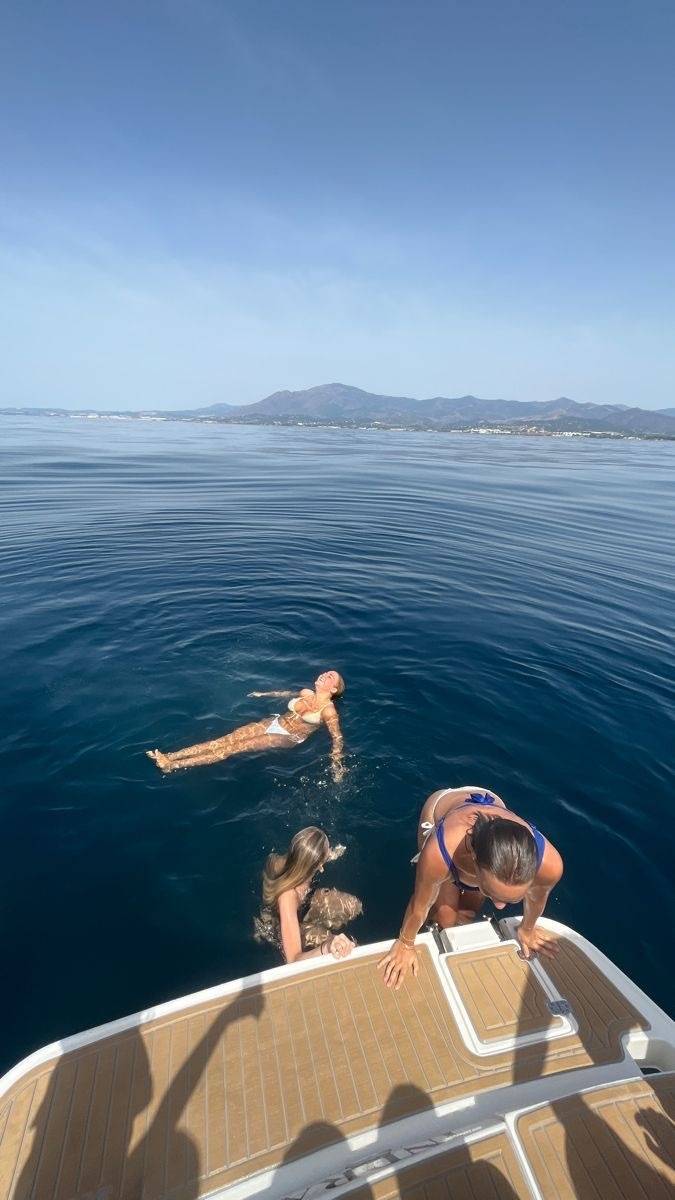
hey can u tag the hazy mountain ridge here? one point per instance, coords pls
(341, 403)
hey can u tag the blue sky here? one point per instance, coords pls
(204, 200)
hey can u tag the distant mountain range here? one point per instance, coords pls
(337, 403)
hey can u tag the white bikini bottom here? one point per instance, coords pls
(275, 727)
(427, 827)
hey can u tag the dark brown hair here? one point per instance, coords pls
(504, 848)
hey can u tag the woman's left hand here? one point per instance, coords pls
(338, 769)
(341, 945)
(536, 941)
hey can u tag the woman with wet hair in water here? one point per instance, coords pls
(307, 710)
(302, 925)
(471, 849)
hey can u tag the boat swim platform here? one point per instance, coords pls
(315, 1076)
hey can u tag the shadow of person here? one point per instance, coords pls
(332, 1171)
(56, 1153)
(459, 1170)
(659, 1133)
(598, 1157)
(126, 1143)
(415, 1151)
(167, 1160)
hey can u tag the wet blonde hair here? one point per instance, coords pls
(339, 691)
(308, 851)
(328, 908)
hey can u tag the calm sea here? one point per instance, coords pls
(503, 613)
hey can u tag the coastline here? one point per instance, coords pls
(507, 429)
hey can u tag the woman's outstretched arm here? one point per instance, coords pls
(278, 695)
(336, 945)
(332, 720)
(403, 956)
(533, 939)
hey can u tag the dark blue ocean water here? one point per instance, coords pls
(503, 613)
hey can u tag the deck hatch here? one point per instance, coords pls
(505, 1000)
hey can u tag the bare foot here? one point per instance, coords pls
(160, 760)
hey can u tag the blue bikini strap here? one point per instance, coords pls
(477, 798)
(440, 838)
(539, 841)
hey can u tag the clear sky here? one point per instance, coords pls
(206, 200)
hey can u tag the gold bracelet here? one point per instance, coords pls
(404, 942)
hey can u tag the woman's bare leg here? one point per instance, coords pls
(247, 737)
(454, 907)
(225, 742)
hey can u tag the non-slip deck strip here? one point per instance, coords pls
(485, 1170)
(614, 1143)
(201, 1098)
(501, 994)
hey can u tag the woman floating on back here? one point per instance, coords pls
(304, 927)
(306, 711)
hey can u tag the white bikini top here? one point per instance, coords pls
(310, 718)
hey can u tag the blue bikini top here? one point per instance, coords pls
(487, 801)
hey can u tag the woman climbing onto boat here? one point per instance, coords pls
(287, 881)
(306, 711)
(471, 849)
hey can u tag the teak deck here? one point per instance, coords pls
(208, 1095)
(616, 1142)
